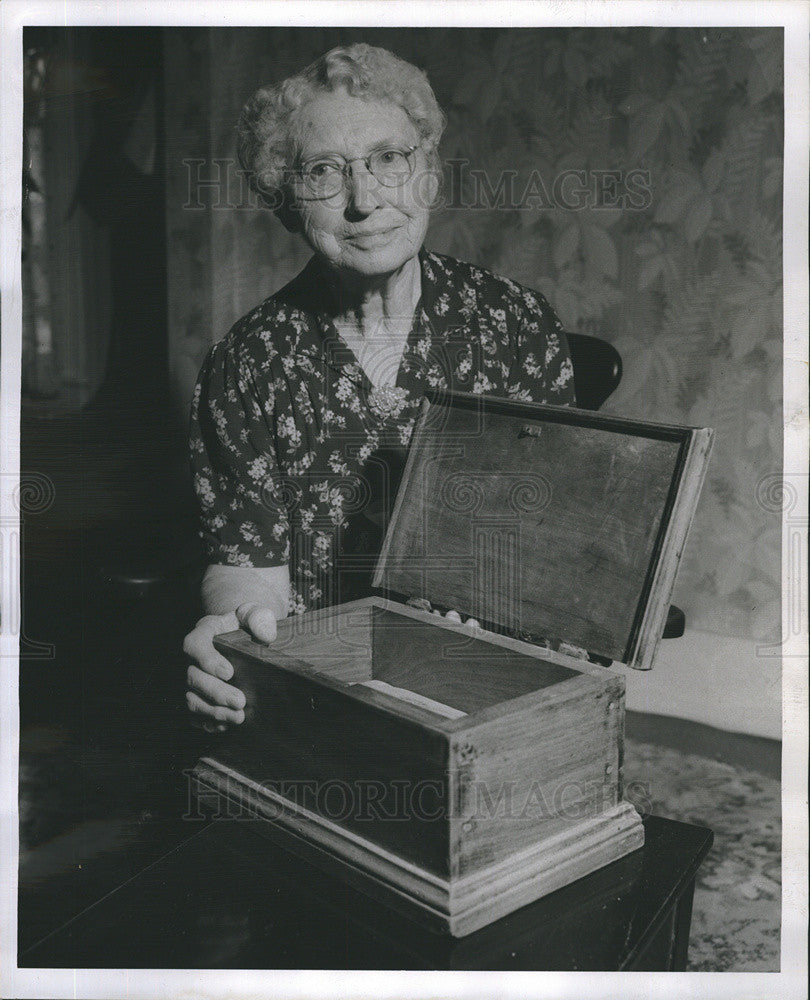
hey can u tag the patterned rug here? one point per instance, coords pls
(737, 909)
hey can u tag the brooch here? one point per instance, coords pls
(387, 401)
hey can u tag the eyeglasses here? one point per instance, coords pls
(327, 176)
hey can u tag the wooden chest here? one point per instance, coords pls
(459, 773)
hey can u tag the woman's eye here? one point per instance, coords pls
(323, 171)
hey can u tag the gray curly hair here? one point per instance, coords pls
(266, 128)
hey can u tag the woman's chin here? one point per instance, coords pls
(375, 261)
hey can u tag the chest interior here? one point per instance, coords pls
(457, 668)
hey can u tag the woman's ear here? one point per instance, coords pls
(433, 183)
(430, 184)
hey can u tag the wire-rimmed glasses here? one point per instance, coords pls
(326, 176)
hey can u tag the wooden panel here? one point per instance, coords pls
(405, 694)
(462, 671)
(532, 774)
(406, 779)
(337, 753)
(334, 641)
(575, 851)
(650, 629)
(546, 521)
(459, 906)
(354, 858)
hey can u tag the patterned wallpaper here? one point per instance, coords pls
(634, 176)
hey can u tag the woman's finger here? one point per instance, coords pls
(216, 691)
(199, 722)
(259, 621)
(197, 646)
(212, 714)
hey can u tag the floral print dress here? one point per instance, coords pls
(297, 458)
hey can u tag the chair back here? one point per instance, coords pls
(597, 369)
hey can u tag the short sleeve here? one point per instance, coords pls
(234, 465)
(541, 371)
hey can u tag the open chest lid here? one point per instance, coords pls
(546, 522)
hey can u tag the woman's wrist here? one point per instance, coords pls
(233, 589)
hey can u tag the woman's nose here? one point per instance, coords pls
(362, 189)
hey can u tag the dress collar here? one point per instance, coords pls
(445, 308)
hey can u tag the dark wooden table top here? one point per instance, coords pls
(227, 898)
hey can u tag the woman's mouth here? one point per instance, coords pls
(372, 240)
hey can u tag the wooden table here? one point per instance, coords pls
(227, 898)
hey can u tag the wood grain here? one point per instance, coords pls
(543, 520)
(338, 749)
(543, 731)
(531, 774)
(335, 640)
(404, 694)
(455, 906)
(458, 669)
(644, 643)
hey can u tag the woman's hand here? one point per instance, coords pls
(215, 704)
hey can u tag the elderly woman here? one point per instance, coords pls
(303, 412)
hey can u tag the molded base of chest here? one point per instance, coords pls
(456, 906)
(456, 775)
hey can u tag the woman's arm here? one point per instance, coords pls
(244, 525)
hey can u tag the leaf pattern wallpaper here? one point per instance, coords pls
(634, 176)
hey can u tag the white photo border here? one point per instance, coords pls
(794, 16)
